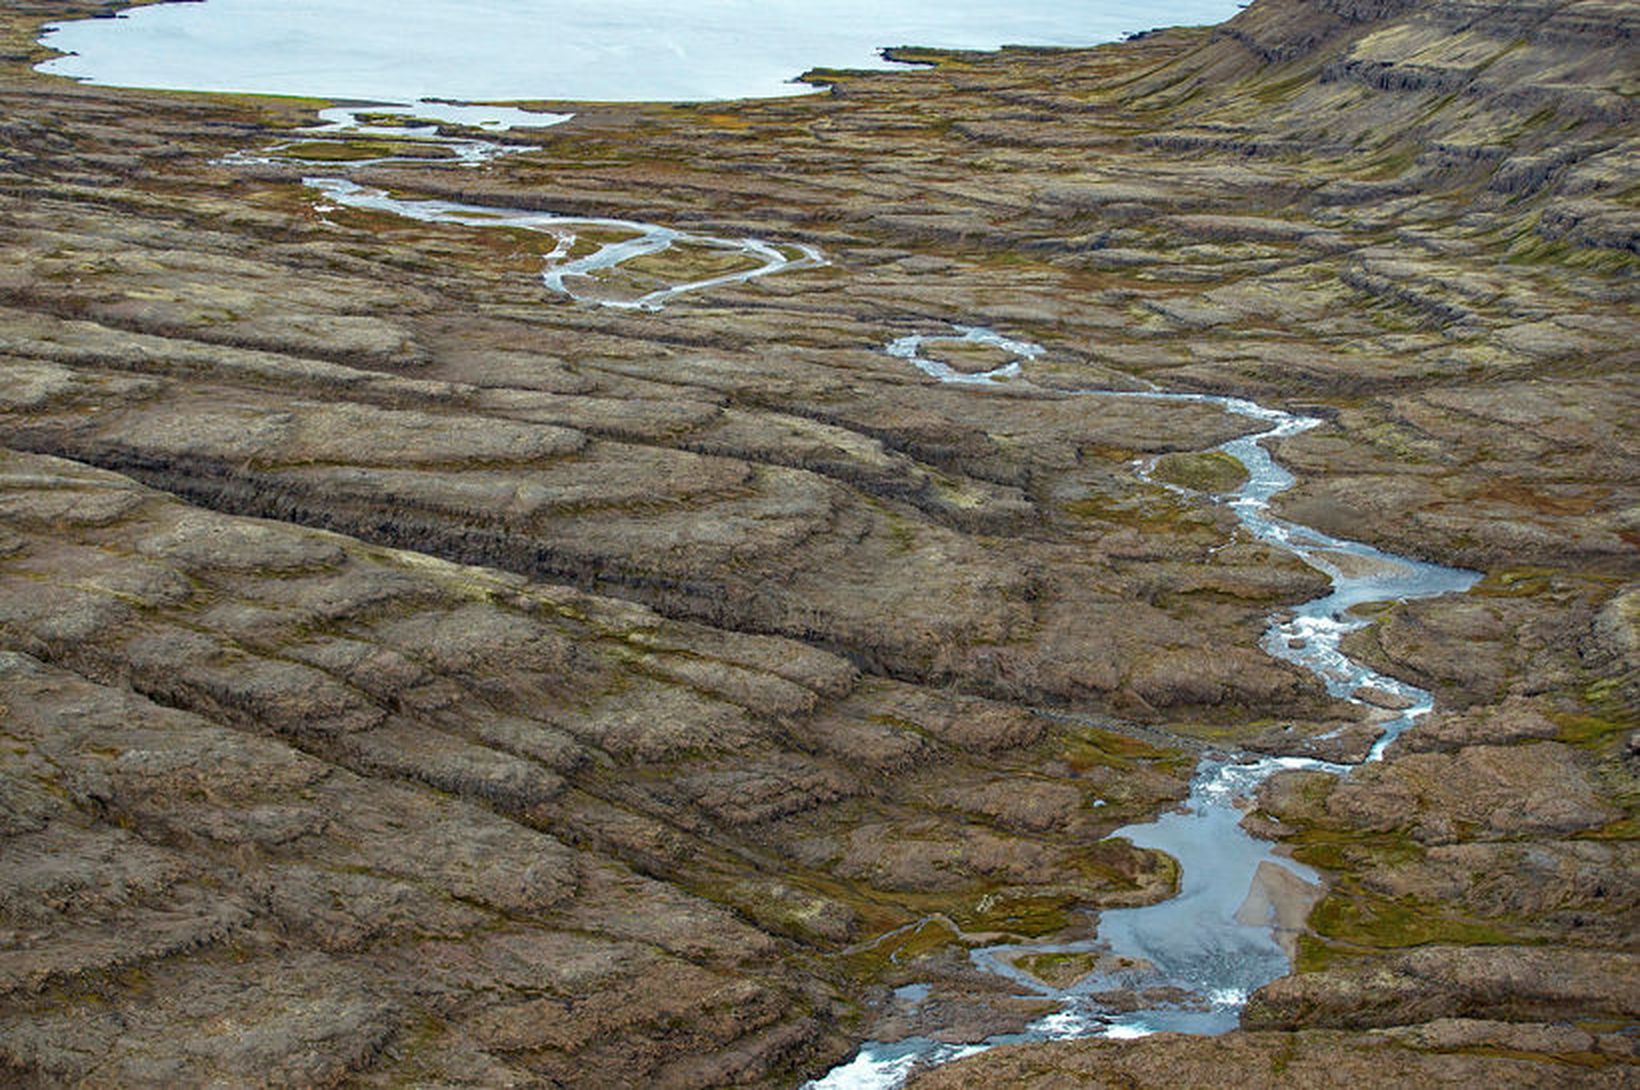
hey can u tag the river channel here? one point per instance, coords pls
(1194, 959)
(1220, 937)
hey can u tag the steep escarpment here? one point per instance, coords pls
(408, 675)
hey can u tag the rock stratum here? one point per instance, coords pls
(409, 676)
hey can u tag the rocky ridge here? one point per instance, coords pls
(412, 678)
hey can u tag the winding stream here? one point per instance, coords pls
(586, 248)
(1193, 960)
(1186, 964)
(411, 132)
(603, 245)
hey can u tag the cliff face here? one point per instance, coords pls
(1530, 98)
(408, 676)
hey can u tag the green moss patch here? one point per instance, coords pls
(1094, 748)
(1210, 471)
(1350, 850)
(1351, 915)
(1151, 511)
(1591, 730)
(899, 949)
(1058, 970)
(351, 151)
(1018, 914)
(683, 262)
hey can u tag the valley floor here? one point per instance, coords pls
(409, 676)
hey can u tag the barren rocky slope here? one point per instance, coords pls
(411, 677)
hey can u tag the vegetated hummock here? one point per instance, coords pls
(411, 677)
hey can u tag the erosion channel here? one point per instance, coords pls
(1197, 956)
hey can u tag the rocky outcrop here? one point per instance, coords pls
(1449, 1053)
(1510, 984)
(443, 683)
(437, 807)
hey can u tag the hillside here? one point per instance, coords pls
(410, 676)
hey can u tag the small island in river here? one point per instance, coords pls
(1107, 567)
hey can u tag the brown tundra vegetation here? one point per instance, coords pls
(412, 677)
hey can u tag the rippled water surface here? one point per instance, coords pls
(611, 50)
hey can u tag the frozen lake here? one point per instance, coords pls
(586, 50)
